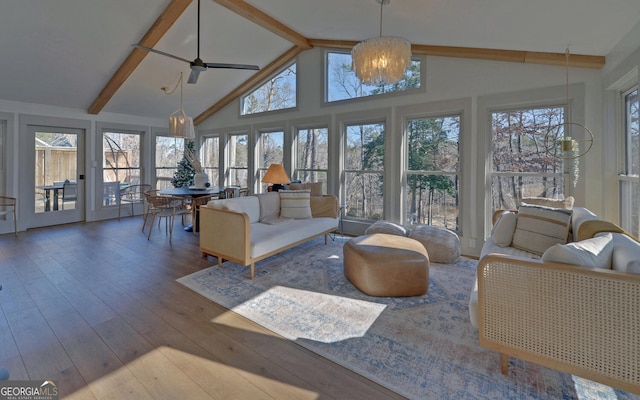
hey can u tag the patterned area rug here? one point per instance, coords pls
(421, 347)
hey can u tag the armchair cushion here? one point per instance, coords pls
(591, 253)
(538, 228)
(504, 228)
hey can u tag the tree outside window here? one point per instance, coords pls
(524, 164)
(364, 171)
(271, 151)
(238, 164)
(312, 155)
(121, 163)
(210, 158)
(277, 93)
(433, 171)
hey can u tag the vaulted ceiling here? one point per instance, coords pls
(78, 53)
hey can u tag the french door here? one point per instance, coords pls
(53, 187)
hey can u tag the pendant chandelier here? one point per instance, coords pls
(180, 124)
(564, 134)
(382, 59)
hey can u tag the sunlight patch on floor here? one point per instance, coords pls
(302, 314)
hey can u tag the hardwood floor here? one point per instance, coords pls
(96, 307)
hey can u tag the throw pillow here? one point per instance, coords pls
(295, 204)
(269, 205)
(592, 253)
(315, 187)
(538, 228)
(386, 227)
(504, 228)
(566, 204)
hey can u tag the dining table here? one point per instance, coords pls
(192, 193)
(51, 203)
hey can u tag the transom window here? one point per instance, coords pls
(630, 173)
(277, 93)
(432, 175)
(342, 83)
(522, 165)
(364, 171)
(312, 155)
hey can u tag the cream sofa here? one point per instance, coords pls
(249, 229)
(564, 315)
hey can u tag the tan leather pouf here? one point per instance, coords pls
(387, 265)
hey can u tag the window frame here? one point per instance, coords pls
(319, 171)
(260, 168)
(227, 157)
(326, 75)
(628, 182)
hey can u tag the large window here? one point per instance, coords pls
(277, 93)
(524, 159)
(169, 152)
(210, 158)
(432, 175)
(238, 160)
(342, 83)
(630, 174)
(312, 155)
(270, 151)
(364, 171)
(121, 163)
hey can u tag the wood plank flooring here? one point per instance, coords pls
(96, 307)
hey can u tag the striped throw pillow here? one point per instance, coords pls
(295, 204)
(539, 228)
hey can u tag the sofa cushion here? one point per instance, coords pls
(249, 205)
(386, 227)
(504, 228)
(315, 187)
(295, 204)
(593, 253)
(269, 205)
(324, 206)
(538, 228)
(566, 203)
(268, 238)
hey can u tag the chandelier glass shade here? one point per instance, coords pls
(381, 59)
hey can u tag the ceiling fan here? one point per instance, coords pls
(198, 65)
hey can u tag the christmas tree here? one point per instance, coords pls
(184, 175)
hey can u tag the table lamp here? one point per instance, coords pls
(277, 176)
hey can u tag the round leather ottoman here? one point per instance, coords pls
(387, 265)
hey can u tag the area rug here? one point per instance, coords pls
(420, 347)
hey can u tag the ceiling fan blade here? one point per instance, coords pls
(160, 52)
(193, 76)
(232, 66)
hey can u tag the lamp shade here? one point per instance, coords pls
(276, 175)
(181, 125)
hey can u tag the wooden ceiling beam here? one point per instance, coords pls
(266, 21)
(153, 35)
(251, 82)
(575, 60)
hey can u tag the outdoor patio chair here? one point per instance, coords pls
(69, 192)
(7, 206)
(133, 194)
(167, 207)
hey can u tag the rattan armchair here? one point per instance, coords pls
(8, 206)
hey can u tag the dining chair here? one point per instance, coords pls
(69, 192)
(133, 194)
(7, 206)
(167, 207)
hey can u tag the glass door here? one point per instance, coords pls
(56, 186)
